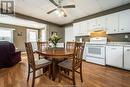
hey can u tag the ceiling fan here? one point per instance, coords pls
(60, 10)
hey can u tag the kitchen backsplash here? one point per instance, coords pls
(111, 38)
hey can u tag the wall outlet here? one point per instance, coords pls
(126, 36)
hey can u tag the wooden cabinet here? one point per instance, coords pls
(127, 57)
(112, 23)
(124, 21)
(114, 56)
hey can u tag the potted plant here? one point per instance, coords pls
(54, 39)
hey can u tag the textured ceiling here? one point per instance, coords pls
(38, 8)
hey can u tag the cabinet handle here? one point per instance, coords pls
(128, 49)
(122, 29)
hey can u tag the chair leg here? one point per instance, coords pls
(49, 71)
(59, 74)
(28, 73)
(33, 79)
(73, 76)
(81, 76)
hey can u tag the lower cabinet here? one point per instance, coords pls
(127, 58)
(114, 56)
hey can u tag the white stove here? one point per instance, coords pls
(95, 50)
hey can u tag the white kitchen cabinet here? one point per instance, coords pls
(84, 28)
(92, 25)
(114, 56)
(77, 28)
(101, 22)
(124, 21)
(112, 25)
(69, 34)
(127, 58)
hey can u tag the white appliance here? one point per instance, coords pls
(114, 56)
(127, 57)
(95, 50)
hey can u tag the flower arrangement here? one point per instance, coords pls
(54, 39)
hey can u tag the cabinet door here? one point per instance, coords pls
(84, 28)
(77, 29)
(92, 24)
(112, 23)
(114, 56)
(124, 21)
(69, 34)
(127, 58)
(101, 22)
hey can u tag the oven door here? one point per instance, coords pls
(97, 51)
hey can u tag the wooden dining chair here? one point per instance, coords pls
(41, 46)
(73, 64)
(35, 64)
(70, 45)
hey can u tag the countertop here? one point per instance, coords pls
(112, 44)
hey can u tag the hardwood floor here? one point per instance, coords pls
(93, 76)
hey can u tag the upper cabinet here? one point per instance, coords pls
(118, 22)
(81, 28)
(92, 24)
(101, 22)
(112, 23)
(124, 21)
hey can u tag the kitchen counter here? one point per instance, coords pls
(118, 44)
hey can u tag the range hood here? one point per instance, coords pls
(98, 33)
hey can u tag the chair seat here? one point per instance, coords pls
(67, 64)
(42, 63)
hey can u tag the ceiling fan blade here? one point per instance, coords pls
(69, 6)
(51, 11)
(52, 1)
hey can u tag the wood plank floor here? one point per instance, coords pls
(93, 76)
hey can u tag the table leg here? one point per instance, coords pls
(53, 68)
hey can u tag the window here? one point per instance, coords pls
(32, 36)
(43, 35)
(6, 34)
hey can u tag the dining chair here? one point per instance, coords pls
(35, 64)
(73, 64)
(70, 45)
(41, 46)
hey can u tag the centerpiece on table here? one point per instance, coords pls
(54, 39)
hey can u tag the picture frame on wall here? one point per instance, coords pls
(19, 34)
(54, 33)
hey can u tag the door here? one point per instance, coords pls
(127, 58)
(112, 23)
(32, 36)
(101, 22)
(92, 25)
(69, 34)
(84, 28)
(124, 21)
(95, 51)
(114, 56)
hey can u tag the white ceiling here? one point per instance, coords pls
(38, 8)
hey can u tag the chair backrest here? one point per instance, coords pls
(30, 54)
(70, 45)
(78, 54)
(42, 45)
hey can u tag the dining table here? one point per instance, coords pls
(56, 54)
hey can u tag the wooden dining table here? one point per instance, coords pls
(56, 54)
